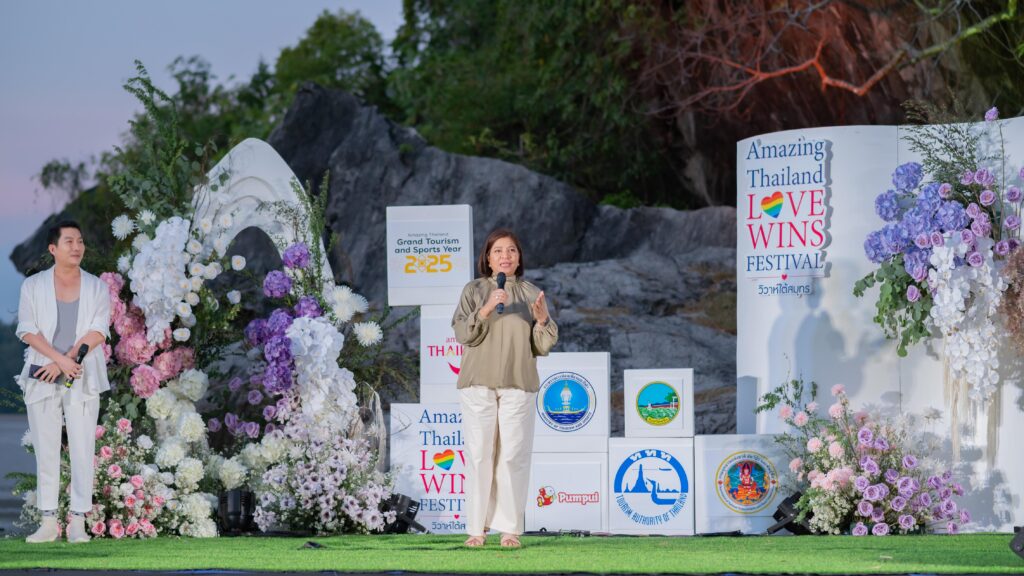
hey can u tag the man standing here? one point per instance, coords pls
(61, 309)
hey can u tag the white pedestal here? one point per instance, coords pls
(651, 485)
(659, 403)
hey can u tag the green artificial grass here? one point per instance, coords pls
(974, 553)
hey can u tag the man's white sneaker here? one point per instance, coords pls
(48, 531)
(76, 530)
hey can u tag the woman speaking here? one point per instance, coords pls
(503, 323)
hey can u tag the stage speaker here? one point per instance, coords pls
(405, 514)
(785, 517)
(235, 512)
(1017, 544)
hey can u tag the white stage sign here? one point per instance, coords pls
(651, 485)
(572, 403)
(430, 253)
(440, 355)
(659, 403)
(568, 491)
(738, 482)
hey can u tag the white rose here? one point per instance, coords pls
(196, 283)
(206, 225)
(225, 221)
(189, 321)
(237, 263)
(234, 297)
(220, 245)
(212, 271)
(192, 299)
(183, 309)
(182, 334)
(196, 269)
(144, 442)
(194, 246)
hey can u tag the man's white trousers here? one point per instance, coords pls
(45, 419)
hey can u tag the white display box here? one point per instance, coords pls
(573, 413)
(438, 393)
(440, 355)
(429, 254)
(568, 492)
(659, 403)
(650, 483)
(428, 463)
(738, 482)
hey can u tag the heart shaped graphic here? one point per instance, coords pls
(784, 276)
(445, 459)
(772, 205)
(456, 516)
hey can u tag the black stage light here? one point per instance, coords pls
(1017, 544)
(236, 509)
(785, 517)
(405, 514)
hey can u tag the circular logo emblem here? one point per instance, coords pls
(746, 482)
(657, 403)
(566, 401)
(651, 487)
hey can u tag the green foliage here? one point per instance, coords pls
(11, 362)
(550, 86)
(900, 319)
(793, 393)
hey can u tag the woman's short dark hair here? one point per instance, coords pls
(53, 234)
(484, 267)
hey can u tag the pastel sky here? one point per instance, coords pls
(62, 64)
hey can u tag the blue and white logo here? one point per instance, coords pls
(651, 487)
(566, 401)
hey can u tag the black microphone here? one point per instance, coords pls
(82, 351)
(501, 286)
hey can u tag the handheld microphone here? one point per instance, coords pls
(501, 286)
(82, 351)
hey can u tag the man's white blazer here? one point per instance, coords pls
(37, 314)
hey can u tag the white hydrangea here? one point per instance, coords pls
(161, 403)
(252, 456)
(233, 473)
(214, 462)
(169, 455)
(124, 264)
(328, 400)
(195, 507)
(188, 474)
(191, 427)
(193, 384)
(205, 528)
(156, 273)
(141, 241)
(122, 226)
(368, 333)
(274, 446)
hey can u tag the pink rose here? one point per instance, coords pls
(140, 494)
(812, 407)
(132, 528)
(860, 417)
(836, 411)
(786, 412)
(114, 471)
(145, 381)
(188, 358)
(158, 501)
(838, 389)
(137, 481)
(116, 529)
(106, 453)
(98, 528)
(147, 527)
(813, 445)
(795, 464)
(835, 450)
(129, 502)
(124, 425)
(108, 353)
(100, 431)
(800, 419)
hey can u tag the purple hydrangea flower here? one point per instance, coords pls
(907, 176)
(860, 529)
(987, 197)
(899, 503)
(279, 322)
(894, 238)
(874, 249)
(308, 307)
(1012, 222)
(915, 262)
(296, 256)
(913, 293)
(887, 206)
(1002, 248)
(945, 190)
(278, 378)
(1013, 194)
(269, 412)
(880, 529)
(255, 397)
(865, 436)
(864, 508)
(276, 284)
(252, 429)
(992, 114)
(256, 332)
(213, 424)
(278, 350)
(909, 462)
(951, 216)
(861, 483)
(975, 259)
(907, 521)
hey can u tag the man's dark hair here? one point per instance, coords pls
(53, 234)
